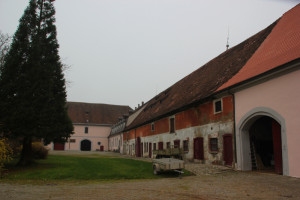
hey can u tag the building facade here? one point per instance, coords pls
(115, 138)
(92, 126)
(267, 95)
(204, 132)
(191, 114)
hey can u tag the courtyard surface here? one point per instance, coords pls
(209, 182)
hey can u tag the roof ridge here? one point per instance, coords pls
(202, 82)
(278, 48)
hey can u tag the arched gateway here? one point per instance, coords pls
(261, 141)
(85, 145)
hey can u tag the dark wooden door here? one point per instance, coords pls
(227, 149)
(198, 148)
(59, 146)
(142, 150)
(276, 132)
(150, 150)
(138, 147)
(101, 148)
(160, 146)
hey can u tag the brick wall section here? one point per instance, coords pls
(197, 116)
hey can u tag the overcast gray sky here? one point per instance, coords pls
(127, 51)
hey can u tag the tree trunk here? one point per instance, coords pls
(26, 154)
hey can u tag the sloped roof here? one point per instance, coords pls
(203, 82)
(280, 47)
(132, 117)
(95, 113)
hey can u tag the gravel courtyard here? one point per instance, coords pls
(208, 183)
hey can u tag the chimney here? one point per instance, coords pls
(142, 103)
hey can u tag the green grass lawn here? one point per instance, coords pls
(62, 167)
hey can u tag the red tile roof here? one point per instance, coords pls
(203, 82)
(280, 47)
(95, 113)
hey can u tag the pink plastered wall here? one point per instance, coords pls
(95, 134)
(281, 94)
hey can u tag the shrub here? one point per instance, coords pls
(39, 150)
(5, 152)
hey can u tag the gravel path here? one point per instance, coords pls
(210, 182)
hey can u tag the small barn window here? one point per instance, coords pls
(218, 106)
(213, 144)
(172, 125)
(72, 140)
(152, 126)
(86, 129)
(168, 145)
(185, 145)
(176, 143)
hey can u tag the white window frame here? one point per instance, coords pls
(214, 102)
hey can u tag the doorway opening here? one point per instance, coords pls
(198, 148)
(265, 145)
(85, 145)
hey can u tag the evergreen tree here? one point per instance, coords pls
(32, 84)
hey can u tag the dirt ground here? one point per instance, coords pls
(209, 183)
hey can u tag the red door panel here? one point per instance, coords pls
(138, 147)
(228, 149)
(150, 150)
(160, 146)
(59, 146)
(276, 132)
(198, 148)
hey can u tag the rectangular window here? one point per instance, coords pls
(172, 125)
(154, 146)
(168, 145)
(72, 140)
(213, 144)
(86, 129)
(218, 106)
(152, 127)
(176, 143)
(186, 145)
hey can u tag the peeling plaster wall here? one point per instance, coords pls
(195, 122)
(206, 131)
